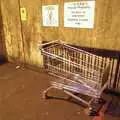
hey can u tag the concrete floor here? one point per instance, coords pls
(21, 98)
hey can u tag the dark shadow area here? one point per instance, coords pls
(69, 99)
(3, 55)
(2, 59)
(114, 107)
(96, 107)
(59, 95)
(112, 92)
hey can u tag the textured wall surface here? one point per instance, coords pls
(31, 31)
(22, 37)
(1, 44)
(12, 29)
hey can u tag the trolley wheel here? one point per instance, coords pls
(45, 96)
(100, 101)
(90, 112)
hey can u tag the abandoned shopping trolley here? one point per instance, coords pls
(75, 71)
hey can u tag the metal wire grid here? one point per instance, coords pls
(76, 70)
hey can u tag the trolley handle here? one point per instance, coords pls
(51, 43)
(48, 43)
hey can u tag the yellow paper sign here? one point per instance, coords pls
(23, 14)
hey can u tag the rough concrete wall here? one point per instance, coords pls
(23, 45)
(1, 48)
(1, 29)
(31, 30)
(108, 25)
(106, 33)
(12, 30)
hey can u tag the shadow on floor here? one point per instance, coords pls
(114, 107)
(2, 59)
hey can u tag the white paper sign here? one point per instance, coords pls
(79, 14)
(50, 15)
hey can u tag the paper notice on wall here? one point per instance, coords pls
(79, 14)
(50, 15)
(23, 14)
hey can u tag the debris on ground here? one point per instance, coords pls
(17, 67)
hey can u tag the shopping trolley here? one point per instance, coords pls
(75, 71)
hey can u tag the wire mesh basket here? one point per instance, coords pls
(75, 71)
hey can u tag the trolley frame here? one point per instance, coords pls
(74, 70)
